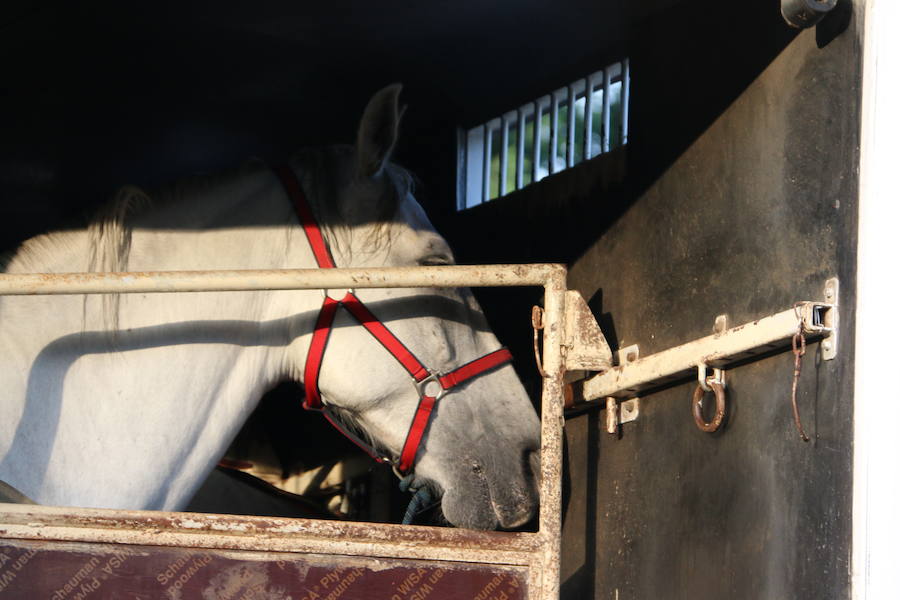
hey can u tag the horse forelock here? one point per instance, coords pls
(323, 171)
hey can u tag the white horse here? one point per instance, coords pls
(128, 401)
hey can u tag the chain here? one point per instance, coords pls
(537, 324)
(798, 346)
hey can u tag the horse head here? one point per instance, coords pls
(479, 450)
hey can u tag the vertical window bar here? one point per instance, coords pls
(486, 172)
(474, 166)
(504, 154)
(520, 149)
(588, 116)
(554, 132)
(626, 86)
(536, 164)
(570, 129)
(604, 130)
(461, 175)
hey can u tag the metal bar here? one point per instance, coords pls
(271, 534)
(626, 93)
(588, 115)
(570, 128)
(486, 165)
(536, 165)
(282, 279)
(715, 350)
(554, 133)
(604, 129)
(520, 150)
(504, 158)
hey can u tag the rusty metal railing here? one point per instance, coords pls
(537, 554)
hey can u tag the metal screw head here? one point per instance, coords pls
(826, 345)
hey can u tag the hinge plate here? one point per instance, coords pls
(586, 347)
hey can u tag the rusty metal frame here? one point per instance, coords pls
(537, 552)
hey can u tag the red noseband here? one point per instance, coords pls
(430, 385)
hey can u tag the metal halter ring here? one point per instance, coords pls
(325, 293)
(434, 382)
(697, 407)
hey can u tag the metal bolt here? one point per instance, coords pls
(826, 345)
(721, 324)
(612, 416)
(631, 357)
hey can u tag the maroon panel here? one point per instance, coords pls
(80, 571)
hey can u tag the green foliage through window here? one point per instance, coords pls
(598, 124)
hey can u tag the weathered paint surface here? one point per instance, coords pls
(76, 571)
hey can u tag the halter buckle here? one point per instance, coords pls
(432, 383)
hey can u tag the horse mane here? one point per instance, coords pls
(109, 243)
(109, 233)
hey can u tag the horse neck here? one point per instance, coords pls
(246, 222)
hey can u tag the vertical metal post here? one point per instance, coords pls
(486, 170)
(461, 174)
(570, 128)
(604, 134)
(520, 149)
(504, 141)
(551, 431)
(876, 479)
(626, 93)
(536, 166)
(588, 115)
(554, 133)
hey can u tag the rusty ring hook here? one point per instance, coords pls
(697, 407)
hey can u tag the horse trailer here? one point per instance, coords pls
(676, 216)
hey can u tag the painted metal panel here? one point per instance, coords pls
(69, 571)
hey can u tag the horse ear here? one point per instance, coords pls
(378, 130)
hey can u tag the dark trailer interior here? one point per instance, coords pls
(735, 193)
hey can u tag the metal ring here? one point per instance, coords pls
(697, 407)
(422, 387)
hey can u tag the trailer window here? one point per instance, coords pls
(548, 135)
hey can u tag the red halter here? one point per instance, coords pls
(430, 385)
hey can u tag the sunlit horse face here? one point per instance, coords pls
(481, 448)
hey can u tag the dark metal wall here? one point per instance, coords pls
(736, 194)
